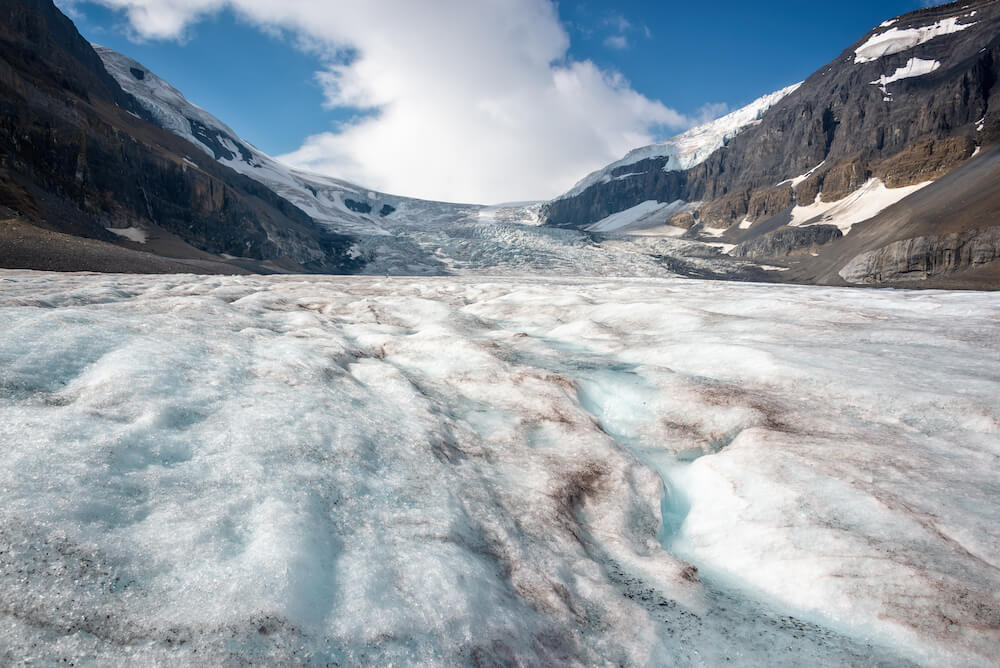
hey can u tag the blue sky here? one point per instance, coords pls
(693, 59)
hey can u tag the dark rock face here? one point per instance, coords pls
(920, 258)
(839, 117)
(787, 241)
(213, 140)
(77, 155)
(358, 207)
(137, 73)
(386, 210)
(617, 195)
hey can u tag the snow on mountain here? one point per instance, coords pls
(914, 67)
(863, 204)
(347, 207)
(644, 215)
(896, 40)
(692, 147)
(453, 471)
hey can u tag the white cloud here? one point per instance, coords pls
(470, 101)
(616, 42)
(710, 111)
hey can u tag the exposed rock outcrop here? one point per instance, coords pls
(922, 257)
(925, 160)
(766, 203)
(684, 220)
(787, 241)
(725, 211)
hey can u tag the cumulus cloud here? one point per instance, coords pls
(463, 101)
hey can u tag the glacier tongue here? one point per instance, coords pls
(441, 471)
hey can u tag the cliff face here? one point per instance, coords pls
(911, 101)
(920, 258)
(788, 241)
(78, 155)
(842, 120)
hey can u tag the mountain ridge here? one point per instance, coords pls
(80, 156)
(878, 118)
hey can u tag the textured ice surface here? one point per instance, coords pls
(471, 471)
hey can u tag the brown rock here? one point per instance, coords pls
(685, 220)
(926, 160)
(844, 178)
(806, 192)
(726, 210)
(766, 203)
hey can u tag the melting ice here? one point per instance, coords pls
(496, 472)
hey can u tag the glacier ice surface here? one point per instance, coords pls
(203, 470)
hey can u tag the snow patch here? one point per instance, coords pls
(914, 67)
(866, 202)
(136, 234)
(896, 40)
(649, 212)
(802, 177)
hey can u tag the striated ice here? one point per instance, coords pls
(442, 471)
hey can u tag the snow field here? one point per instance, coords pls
(863, 204)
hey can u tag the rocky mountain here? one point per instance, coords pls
(90, 180)
(344, 206)
(880, 168)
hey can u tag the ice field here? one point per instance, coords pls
(477, 471)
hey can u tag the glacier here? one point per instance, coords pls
(496, 471)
